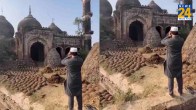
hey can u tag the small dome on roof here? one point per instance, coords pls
(106, 8)
(154, 6)
(54, 28)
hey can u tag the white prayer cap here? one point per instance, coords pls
(73, 49)
(174, 29)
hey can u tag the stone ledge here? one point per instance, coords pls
(187, 102)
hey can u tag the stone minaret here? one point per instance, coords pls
(87, 14)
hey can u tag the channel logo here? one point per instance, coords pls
(185, 12)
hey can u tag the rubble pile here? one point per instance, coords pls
(155, 59)
(56, 78)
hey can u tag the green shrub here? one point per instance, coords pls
(122, 97)
(83, 54)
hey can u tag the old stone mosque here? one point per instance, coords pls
(34, 42)
(139, 23)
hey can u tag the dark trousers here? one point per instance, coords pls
(171, 84)
(71, 102)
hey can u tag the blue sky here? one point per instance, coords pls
(170, 5)
(63, 11)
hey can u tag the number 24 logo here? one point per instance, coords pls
(184, 12)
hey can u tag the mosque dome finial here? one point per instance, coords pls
(28, 23)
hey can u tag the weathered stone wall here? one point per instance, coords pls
(152, 38)
(53, 58)
(43, 36)
(107, 84)
(48, 39)
(177, 104)
(136, 14)
(188, 105)
(145, 15)
(71, 41)
(166, 19)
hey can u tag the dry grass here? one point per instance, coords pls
(148, 90)
(56, 107)
(135, 77)
(109, 71)
(122, 97)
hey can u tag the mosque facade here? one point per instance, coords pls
(145, 24)
(34, 42)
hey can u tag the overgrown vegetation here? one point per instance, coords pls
(148, 90)
(83, 54)
(109, 71)
(135, 77)
(78, 22)
(122, 97)
(184, 32)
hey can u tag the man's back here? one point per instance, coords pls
(173, 56)
(175, 45)
(74, 65)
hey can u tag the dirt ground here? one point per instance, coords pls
(41, 88)
(148, 84)
(49, 97)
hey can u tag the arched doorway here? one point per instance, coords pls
(167, 30)
(37, 52)
(159, 30)
(136, 31)
(59, 50)
(67, 51)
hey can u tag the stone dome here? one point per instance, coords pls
(106, 8)
(122, 3)
(28, 23)
(6, 29)
(54, 28)
(155, 7)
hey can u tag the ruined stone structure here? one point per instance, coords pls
(136, 22)
(34, 42)
(106, 20)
